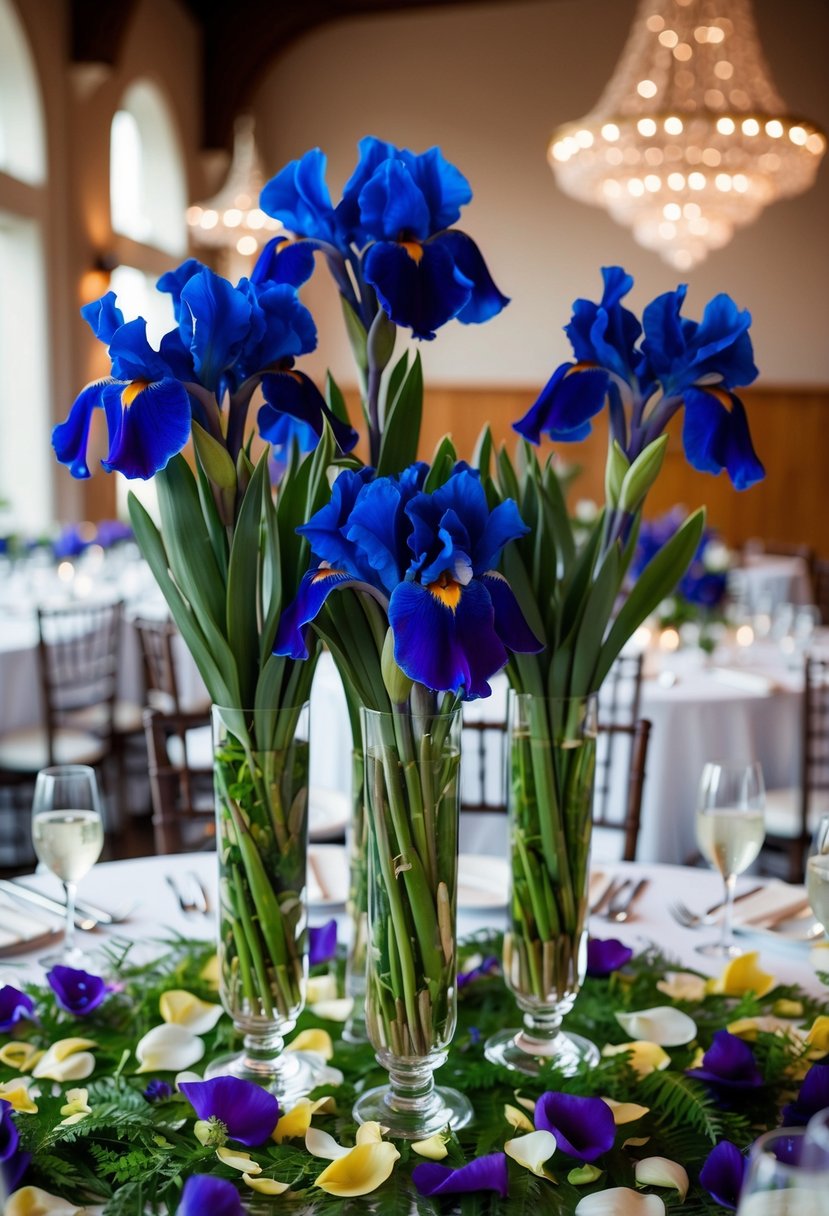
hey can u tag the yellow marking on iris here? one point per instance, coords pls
(723, 397)
(132, 390)
(413, 248)
(319, 576)
(584, 366)
(446, 590)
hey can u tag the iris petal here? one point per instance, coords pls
(215, 319)
(174, 281)
(510, 624)
(444, 647)
(284, 261)
(483, 1174)
(103, 317)
(204, 1193)
(392, 205)
(813, 1097)
(583, 1127)
(70, 438)
(606, 955)
(723, 1173)
(299, 197)
(322, 943)
(729, 1062)
(571, 397)
(295, 394)
(249, 1112)
(444, 187)
(314, 590)
(145, 434)
(372, 153)
(76, 991)
(421, 292)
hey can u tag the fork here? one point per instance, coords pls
(186, 903)
(683, 915)
(622, 902)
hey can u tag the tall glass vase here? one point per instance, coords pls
(260, 769)
(411, 804)
(354, 1030)
(552, 757)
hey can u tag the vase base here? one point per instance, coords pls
(447, 1106)
(519, 1051)
(355, 1031)
(718, 950)
(289, 1076)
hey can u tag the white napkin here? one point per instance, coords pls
(18, 926)
(327, 880)
(747, 681)
(776, 901)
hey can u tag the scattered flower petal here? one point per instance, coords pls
(265, 1186)
(14, 1006)
(235, 1159)
(660, 1171)
(517, 1119)
(532, 1151)
(317, 1041)
(249, 1112)
(322, 1144)
(582, 1127)
(158, 1091)
(478, 967)
(818, 1036)
(606, 955)
(784, 1008)
(620, 1201)
(76, 991)
(635, 1141)
(645, 1057)
(77, 1107)
(813, 1097)
(180, 1008)
(322, 943)
(723, 1173)
(329, 1076)
(361, 1170)
(16, 1093)
(434, 1148)
(664, 1025)
(32, 1201)
(22, 1056)
(626, 1112)
(483, 1174)
(321, 988)
(583, 1175)
(205, 1193)
(295, 1123)
(168, 1048)
(729, 1062)
(750, 1028)
(66, 1060)
(211, 973)
(338, 1010)
(683, 986)
(743, 974)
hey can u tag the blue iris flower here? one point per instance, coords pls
(429, 559)
(205, 1193)
(678, 363)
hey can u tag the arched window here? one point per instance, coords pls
(147, 188)
(26, 467)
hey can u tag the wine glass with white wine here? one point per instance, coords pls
(68, 835)
(817, 873)
(730, 833)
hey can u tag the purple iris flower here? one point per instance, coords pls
(706, 588)
(486, 967)
(729, 1062)
(158, 1091)
(14, 1005)
(248, 1112)
(605, 955)
(723, 1173)
(76, 991)
(13, 1162)
(813, 1097)
(205, 1195)
(295, 409)
(112, 532)
(483, 1174)
(322, 943)
(582, 1127)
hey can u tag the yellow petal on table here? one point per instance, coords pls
(317, 1041)
(663, 1024)
(295, 1122)
(321, 988)
(683, 986)
(360, 1171)
(77, 1107)
(434, 1148)
(32, 1201)
(635, 1141)
(620, 1201)
(236, 1160)
(817, 1037)
(370, 1132)
(527, 1103)
(168, 1048)
(819, 956)
(742, 974)
(16, 1093)
(321, 1144)
(338, 1010)
(211, 972)
(784, 1008)
(749, 1028)
(66, 1060)
(532, 1150)
(182, 1008)
(645, 1057)
(583, 1175)
(22, 1056)
(517, 1119)
(265, 1186)
(626, 1112)
(661, 1171)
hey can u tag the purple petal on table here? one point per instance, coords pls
(583, 1127)
(722, 1174)
(248, 1112)
(729, 1062)
(76, 991)
(483, 1174)
(158, 1091)
(486, 967)
(813, 1096)
(14, 1005)
(205, 1194)
(9, 1135)
(605, 955)
(322, 943)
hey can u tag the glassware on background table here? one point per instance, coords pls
(68, 835)
(817, 873)
(783, 1179)
(730, 833)
(816, 1144)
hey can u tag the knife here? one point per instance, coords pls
(84, 916)
(719, 907)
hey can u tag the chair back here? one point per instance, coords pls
(156, 641)
(820, 579)
(78, 651)
(621, 748)
(815, 758)
(182, 794)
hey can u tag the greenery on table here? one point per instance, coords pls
(133, 1156)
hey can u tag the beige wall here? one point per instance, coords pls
(489, 83)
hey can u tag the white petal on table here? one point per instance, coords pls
(663, 1024)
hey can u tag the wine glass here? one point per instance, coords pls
(730, 833)
(816, 1141)
(68, 835)
(817, 873)
(781, 1179)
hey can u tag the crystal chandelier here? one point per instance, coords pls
(232, 218)
(690, 138)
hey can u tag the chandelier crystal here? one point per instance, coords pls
(232, 219)
(690, 138)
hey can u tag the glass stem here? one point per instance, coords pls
(728, 909)
(70, 891)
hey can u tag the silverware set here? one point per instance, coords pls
(616, 901)
(87, 915)
(191, 893)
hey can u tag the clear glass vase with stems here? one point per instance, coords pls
(354, 1030)
(412, 794)
(817, 873)
(551, 758)
(785, 1177)
(260, 769)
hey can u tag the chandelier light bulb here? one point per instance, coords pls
(690, 113)
(232, 218)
